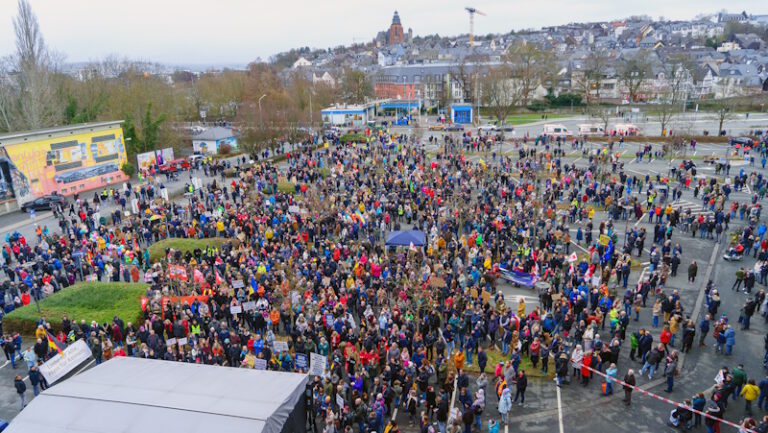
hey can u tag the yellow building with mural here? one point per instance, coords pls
(64, 160)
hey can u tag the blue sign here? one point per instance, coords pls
(301, 362)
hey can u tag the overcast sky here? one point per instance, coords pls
(239, 31)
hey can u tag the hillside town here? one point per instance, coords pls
(727, 55)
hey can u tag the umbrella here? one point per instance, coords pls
(155, 217)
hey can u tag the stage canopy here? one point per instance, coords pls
(133, 395)
(406, 238)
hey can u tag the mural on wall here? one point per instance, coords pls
(156, 157)
(66, 165)
(12, 181)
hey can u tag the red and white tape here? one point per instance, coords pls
(672, 402)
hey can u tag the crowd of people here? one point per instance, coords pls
(294, 263)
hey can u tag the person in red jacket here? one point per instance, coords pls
(585, 363)
(666, 336)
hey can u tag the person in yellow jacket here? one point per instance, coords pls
(750, 392)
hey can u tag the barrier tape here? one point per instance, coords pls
(668, 401)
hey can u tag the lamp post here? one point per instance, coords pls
(261, 118)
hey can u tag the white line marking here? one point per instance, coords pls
(640, 219)
(580, 247)
(6, 363)
(559, 409)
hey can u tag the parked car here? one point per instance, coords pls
(174, 166)
(744, 141)
(508, 128)
(43, 203)
(438, 127)
(194, 158)
(454, 127)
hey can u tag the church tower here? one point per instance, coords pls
(396, 35)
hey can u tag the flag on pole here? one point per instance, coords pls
(54, 344)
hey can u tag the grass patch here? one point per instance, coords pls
(522, 119)
(495, 356)
(86, 301)
(157, 250)
(286, 187)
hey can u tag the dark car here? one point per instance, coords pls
(744, 141)
(454, 127)
(43, 203)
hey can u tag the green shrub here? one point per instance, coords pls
(128, 168)
(352, 138)
(157, 250)
(537, 106)
(83, 301)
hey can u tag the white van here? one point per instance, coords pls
(591, 129)
(552, 130)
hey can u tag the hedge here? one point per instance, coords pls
(83, 301)
(157, 250)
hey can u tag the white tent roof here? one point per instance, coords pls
(132, 395)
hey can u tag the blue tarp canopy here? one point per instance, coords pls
(405, 238)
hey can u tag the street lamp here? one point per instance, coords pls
(261, 118)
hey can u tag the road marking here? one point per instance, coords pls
(639, 220)
(642, 273)
(6, 363)
(580, 247)
(559, 408)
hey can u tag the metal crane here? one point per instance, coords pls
(472, 11)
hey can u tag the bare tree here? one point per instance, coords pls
(35, 66)
(673, 90)
(724, 112)
(633, 71)
(530, 65)
(501, 92)
(356, 86)
(602, 113)
(595, 66)
(465, 74)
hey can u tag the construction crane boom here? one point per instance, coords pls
(472, 11)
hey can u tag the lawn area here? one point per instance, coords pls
(522, 119)
(157, 250)
(87, 301)
(495, 356)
